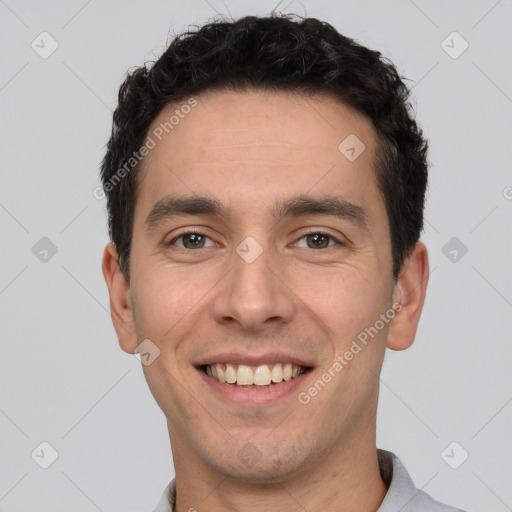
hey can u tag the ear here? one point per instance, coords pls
(120, 299)
(409, 291)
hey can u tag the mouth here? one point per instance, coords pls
(254, 377)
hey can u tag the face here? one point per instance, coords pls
(276, 257)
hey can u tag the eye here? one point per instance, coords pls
(319, 240)
(190, 240)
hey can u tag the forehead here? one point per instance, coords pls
(252, 145)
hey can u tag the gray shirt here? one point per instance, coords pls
(402, 495)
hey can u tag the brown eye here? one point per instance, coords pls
(189, 240)
(319, 241)
(193, 241)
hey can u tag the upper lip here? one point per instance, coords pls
(254, 359)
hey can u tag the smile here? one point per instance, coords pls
(261, 376)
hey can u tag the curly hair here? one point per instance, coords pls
(275, 53)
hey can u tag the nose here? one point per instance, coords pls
(254, 294)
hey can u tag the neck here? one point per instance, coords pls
(348, 479)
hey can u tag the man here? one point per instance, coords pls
(265, 183)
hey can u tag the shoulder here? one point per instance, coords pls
(402, 493)
(423, 501)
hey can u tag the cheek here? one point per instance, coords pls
(165, 299)
(350, 306)
(346, 302)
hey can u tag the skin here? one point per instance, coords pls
(250, 150)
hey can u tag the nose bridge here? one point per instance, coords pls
(253, 294)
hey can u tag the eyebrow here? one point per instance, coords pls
(302, 205)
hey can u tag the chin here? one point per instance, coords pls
(260, 463)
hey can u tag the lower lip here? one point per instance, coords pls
(253, 396)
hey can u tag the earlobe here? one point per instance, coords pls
(410, 290)
(120, 300)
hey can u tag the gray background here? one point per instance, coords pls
(63, 377)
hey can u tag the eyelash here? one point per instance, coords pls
(196, 232)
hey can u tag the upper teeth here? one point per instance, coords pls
(261, 375)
